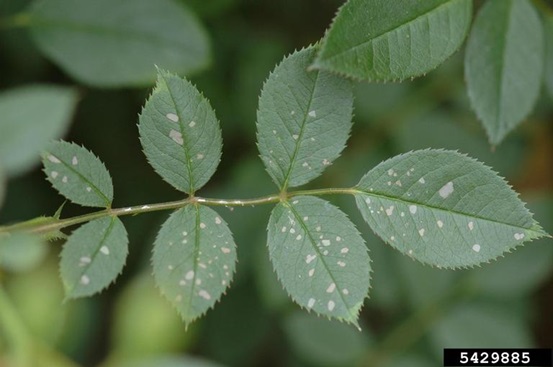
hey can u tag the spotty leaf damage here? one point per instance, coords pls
(303, 120)
(444, 209)
(78, 174)
(93, 256)
(194, 259)
(319, 257)
(180, 133)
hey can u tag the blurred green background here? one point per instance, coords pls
(414, 311)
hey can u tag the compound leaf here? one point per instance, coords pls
(109, 43)
(504, 65)
(444, 209)
(78, 174)
(194, 259)
(180, 133)
(303, 121)
(548, 33)
(319, 257)
(384, 40)
(31, 117)
(93, 256)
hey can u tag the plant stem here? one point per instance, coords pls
(53, 224)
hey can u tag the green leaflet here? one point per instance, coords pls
(444, 209)
(382, 40)
(504, 65)
(170, 362)
(180, 133)
(109, 43)
(31, 117)
(194, 259)
(303, 121)
(93, 256)
(78, 174)
(319, 257)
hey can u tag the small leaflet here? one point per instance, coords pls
(449, 211)
(78, 174)
(180, 133)
(319, 257)
(303, 120)
(194, 260)
(382, 40)
(93, 256)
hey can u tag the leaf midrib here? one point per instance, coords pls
(384, 33)
(431, 207)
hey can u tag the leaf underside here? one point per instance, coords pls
(303, 120)
(93, 256)
(78, 174)
(444, 209)
(382, 40)
(180, 133)
(320, 258)
(130, 36)
(504, 65)
(194, 259)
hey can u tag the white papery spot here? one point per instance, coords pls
(311, 302)
(326, 162)
(182, 282)
(74, 161)
(53, 159)
(217, 220)
(145, 207)
(313, 113)
(292, 230)
(368, 200)
(393, 238)
(305, 164)
(331, 305)
(292, 113)
(410, 252)
(104, 250)
(402, 214)
(201, 265)
(54, 174)
(310, 258)
(311, 272)
(440, 223)
(202, 225)
(390, 172)
(398, 182)
(225, 250)
(446, 190)
(318, 229)
(331, 288)
(200, 156)
(84, 260)
(326, 242)
(64, 179)
(412, 209)
(170, 267)
(298, 237)
(295, 136)
(344, 250)
(421, 180)
(519, 236)
(85, 280)
(421, 232)
(176, 136)
(390, 210)
(283, 229)
(341, 264)
(325, 252)
(189, 275)
(172, 117)
(338, 238)
(88, 188)
(198, 281)
(192, 123)
(305, 219)
(471, 225)
(203, 293)
(345, 291)
(476, 248)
